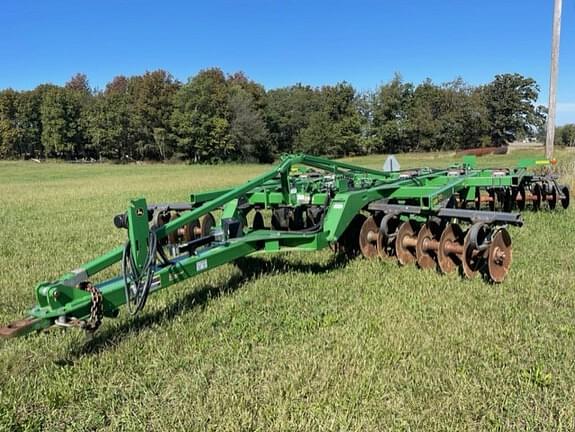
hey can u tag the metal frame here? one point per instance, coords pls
(337, 191)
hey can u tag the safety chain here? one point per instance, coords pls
(96, 308)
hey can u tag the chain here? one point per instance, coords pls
(96, 308)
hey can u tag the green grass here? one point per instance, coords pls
(293, 342)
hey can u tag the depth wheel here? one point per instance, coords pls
(368, 237)
(386, 236)
(472, 257)
(500, 256)
(450, 248)
(565, 199)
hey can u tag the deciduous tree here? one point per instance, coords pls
(510, 100)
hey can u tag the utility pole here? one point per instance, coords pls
(553, 80)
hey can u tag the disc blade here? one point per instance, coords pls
(368, 237)
(500, 256)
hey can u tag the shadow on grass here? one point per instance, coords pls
(250, 267)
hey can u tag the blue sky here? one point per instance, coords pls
(281, 42)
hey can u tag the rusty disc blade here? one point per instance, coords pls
(451, 240)
(507, 201)
(477, 198)
(500, 256)
(537, 196)
(492, 199)
(191, 230)
(173, 236)
(520, 198)
(552, 201)
(405, 242)
(462, 199)
(427, 245)
(368, 237)
(348, 242)
(160, 218)
(207, 224)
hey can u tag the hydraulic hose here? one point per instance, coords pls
(137, 283)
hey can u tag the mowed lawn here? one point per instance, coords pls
(295, 342)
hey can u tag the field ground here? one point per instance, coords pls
(293, 342)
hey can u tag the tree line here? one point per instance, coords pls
(217, 117)
(565, 135)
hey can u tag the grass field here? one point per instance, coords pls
(294, 342)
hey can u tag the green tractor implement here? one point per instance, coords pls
(442, 219)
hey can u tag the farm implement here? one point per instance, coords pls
(444, 219)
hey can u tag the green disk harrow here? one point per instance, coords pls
(444, 219)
